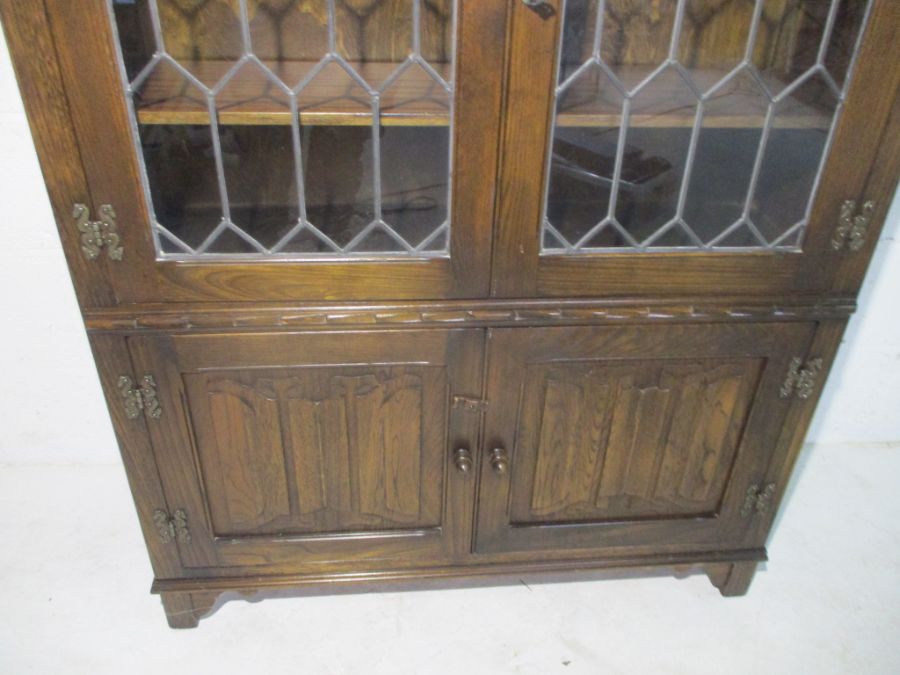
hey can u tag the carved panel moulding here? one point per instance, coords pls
(496, 313)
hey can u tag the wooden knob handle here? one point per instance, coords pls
(499, 461)
(462, 458)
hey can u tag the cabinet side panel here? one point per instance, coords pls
(880, 189)
(82, 35)
(112, 359)
(867, 113)
(824, 345)
(34, 58)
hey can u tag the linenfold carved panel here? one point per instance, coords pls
(248, 462)
(320, 450)
(628, 440)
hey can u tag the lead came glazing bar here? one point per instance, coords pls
(169, 234)
(658, 149)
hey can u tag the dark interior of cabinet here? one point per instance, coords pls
(262, 184)
(653, 169)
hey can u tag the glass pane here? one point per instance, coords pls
(694, 124)
(292, 127)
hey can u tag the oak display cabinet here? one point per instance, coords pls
(397, 292)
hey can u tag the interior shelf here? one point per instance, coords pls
(668, 102)
(332, 97)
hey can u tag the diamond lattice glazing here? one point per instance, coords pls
(288, 91)
(668, 137)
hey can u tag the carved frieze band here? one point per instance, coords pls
(437, 316)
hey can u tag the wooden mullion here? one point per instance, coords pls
(476, 134)
(530, 94)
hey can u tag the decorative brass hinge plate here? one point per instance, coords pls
(757, 500)
(852, 226)
(172, 529)
(801, 380)
(98, 234)
(472, 405)
(139, 399)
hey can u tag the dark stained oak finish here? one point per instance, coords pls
(307, 426)
(732, 579)
(104, 135)
(302, 450)
(323, 451)
(184, 610)
(27, 30)
(519, 270)
(631, 441)
(478, 313)
(629, 435)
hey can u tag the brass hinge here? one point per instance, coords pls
(172, 529)
(139, 399)
(801, 379)
(852, 226)
(472, 405)
(98, 234)
(757, 500)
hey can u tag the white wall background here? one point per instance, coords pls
(50, 401)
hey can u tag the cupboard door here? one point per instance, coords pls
(599, 438)
(306, 451)
(267, 150)
(689, 146)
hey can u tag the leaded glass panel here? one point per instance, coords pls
(694, 124)
(272, 128)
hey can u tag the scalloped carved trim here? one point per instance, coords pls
(474, 313)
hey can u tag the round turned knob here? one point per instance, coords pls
(463, 460)
(499, 461)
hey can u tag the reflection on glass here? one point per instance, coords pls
(694, 124)
(293, 127)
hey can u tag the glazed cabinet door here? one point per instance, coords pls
(270, 150)
(313, 451)
(600, 439)
(690, 146)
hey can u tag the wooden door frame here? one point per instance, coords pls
(173, 439)
(519, 270)
(92, 116)
(495, 534)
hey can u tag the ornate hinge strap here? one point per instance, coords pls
(801, 380)
(98, 234)
(757, 500)
(138, 399)
(172, 529)
(853, 225)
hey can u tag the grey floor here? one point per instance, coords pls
(74, 581)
